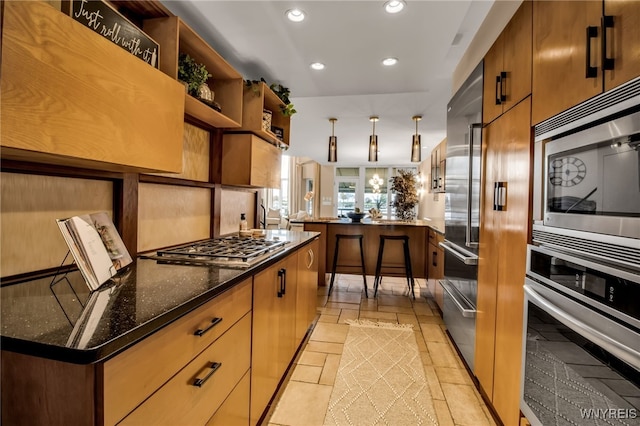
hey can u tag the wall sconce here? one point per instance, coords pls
(373, 140)
(333, 143)
(416, 146)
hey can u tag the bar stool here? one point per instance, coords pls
(407, 262)
(340, 237)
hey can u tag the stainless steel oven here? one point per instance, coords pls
(581, 342)
(592, 165)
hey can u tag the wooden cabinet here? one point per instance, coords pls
(256, 99)
(69, 96)
(321, 253)
(435, 258)
(274, 328)
(507, 66)
(135, 374)
(504, 233)
(176, 37)
(438, 162)
(247, 160)
(568, 59)
(307, 288)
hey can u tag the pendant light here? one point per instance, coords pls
(333, 143)
(416, 146)
(373, 140)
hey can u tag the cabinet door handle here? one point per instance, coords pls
(498, 90)
(282, 276)
(434, 262)
(500, 196)
(503, 78)
(214, 367)
(200, 332)
(591, 72)
(607, 63)
(311, 259)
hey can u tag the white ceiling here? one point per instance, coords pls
(351, 38)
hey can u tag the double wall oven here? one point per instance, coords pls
(581, 336)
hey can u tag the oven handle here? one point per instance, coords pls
(466, 257)
(620, 350)
(466, 312)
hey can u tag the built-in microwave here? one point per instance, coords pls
(591, 178)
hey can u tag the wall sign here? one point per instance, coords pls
(109, 23)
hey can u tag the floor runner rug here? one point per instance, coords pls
(380, 379)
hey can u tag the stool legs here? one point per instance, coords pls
(335, 262)
(364, 277)
(407, 263)
(378, 278)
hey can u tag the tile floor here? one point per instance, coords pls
(305, 398)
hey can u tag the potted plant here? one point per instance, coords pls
(194, 74)
(282, 92)
(406, 194)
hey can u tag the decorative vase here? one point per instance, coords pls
(205, 93)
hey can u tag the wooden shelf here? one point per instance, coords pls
(255, 101)
(176, 37)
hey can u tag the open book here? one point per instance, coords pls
(96, 247)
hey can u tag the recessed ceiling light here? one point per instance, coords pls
(295, 15)
(389, 61)
(394, 6)
(317, 66)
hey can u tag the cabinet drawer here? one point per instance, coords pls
(235, 409)
(132, 376)
(180, 401)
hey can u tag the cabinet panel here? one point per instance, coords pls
(126, 116)
(179, 401)
(307, 289)
(273, 343)
(322, 250)
(235, 409)
(133, 375)
(491, 103)
(247, 160)
(623, 42)
(560, 55)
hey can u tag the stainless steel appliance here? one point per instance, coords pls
(581, 344)
(592, 166)
(231, 252)
(462, 213)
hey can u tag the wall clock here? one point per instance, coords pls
(567, 171)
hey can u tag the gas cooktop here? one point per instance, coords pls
(234, 251)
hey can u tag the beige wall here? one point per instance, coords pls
(327, 203)
(234, 203)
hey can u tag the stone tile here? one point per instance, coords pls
(456, 376)
(302, 404)
(408, 319)
(306, 373)
(383, 316)
(330, 370)
(443, 413)
(324, 347)
(422, 346)
(422, 309)
(312, 358)
(464, 405)
(348, 314)
(329, 318)
(425, 356)
(333, 333)
(434, 383)
(338, 305)
(397, 309)
(442, 355)
(435, 319)
(357, 289)
(433, 333)
(385, 300)
(344, 297)
(369, 305)
(330, 311)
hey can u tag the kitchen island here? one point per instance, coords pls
(418, 232)
(141, 347)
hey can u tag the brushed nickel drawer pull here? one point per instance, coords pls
(200, 332)
(214, 367)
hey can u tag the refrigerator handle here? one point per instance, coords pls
(465, 256)
(468, 242)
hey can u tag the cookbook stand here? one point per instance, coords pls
(62, 277)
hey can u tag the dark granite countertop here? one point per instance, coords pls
(38, 319)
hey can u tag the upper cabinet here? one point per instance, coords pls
(262, 115)
(175, 37)
(507, 66)
(578, 52)
(247, 160)
(72, 97)
(438, 162)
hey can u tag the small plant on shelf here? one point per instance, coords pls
(282, 92)
(193, 73)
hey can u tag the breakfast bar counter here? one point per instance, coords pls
(418, 231)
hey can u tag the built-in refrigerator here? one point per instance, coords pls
(462, 213)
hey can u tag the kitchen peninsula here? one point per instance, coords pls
(420, 233)
(142, 347)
